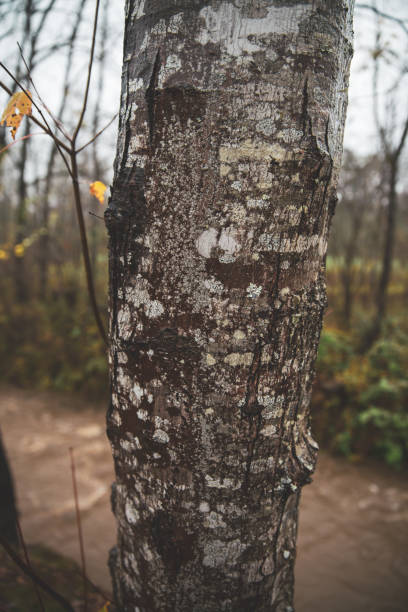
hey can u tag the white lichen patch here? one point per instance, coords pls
(239, 359)
(227, 241)
(132, 515)
(154, 309)
(172, 65)
(204, 507)
(124, 318)
(299, 244)
(235, 33)
(213, 285)
(225, 483)
(290, 135)
(116, 418)
(258, 203)
(266, 126)
(161, 436)
(269, 242)
(206, 242)
(214, 521)
(268, 431)
(238, 335)
(272, 406)
(143, 415)
(137, 392)
(161, 423)
(123, 381)
(210, 360)
(175, 23)
(135, 85)
(255, 151)
(226, 258)
(138, 295)
(253, 291)
(237, 185)
(218, 553)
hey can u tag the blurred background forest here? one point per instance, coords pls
(49, 339)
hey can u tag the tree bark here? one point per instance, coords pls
(228, 155)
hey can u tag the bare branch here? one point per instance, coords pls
(97, 134)
(48, 129)
(401, 22)
(34, 119)
(29, 572)
(91, 56)
(57, 123)
(11, 144)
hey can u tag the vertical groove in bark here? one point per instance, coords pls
(228, 155)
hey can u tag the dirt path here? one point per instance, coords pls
(353, 534)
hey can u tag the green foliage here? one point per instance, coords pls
(53, 343)
(61, 573)
(360, 401)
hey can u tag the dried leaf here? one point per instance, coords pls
(105, 607)
(18, 106)
(98, 189)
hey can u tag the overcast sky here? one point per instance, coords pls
(360, 130)
(360, 135)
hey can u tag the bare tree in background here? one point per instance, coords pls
(393, 139)
(44, 257)
(228, 155)
(356, 224)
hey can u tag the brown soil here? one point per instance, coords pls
(353, 533)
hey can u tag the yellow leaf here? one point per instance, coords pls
(19, 250)
(105, 607)
(3, 254)
(98, 189)
(18, 106)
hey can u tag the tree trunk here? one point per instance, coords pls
(388, 244)
(8, 507)
(228, 155)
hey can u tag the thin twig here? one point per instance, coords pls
(11, 144)
(29, 572)
(85, 249)
(56, 121)
(49, 131)
(80, 538)
(92, 213)
(27, 558)
(97, 134)
(88, 81)
(36, 121)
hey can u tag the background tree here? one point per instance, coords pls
(228, 155)
(392, 135)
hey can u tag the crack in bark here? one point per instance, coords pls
(306, 119)
(150, 96)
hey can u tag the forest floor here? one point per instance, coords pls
(353, 532)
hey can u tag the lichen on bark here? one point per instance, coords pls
(229, 148)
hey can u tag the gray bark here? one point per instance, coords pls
(229, 148)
